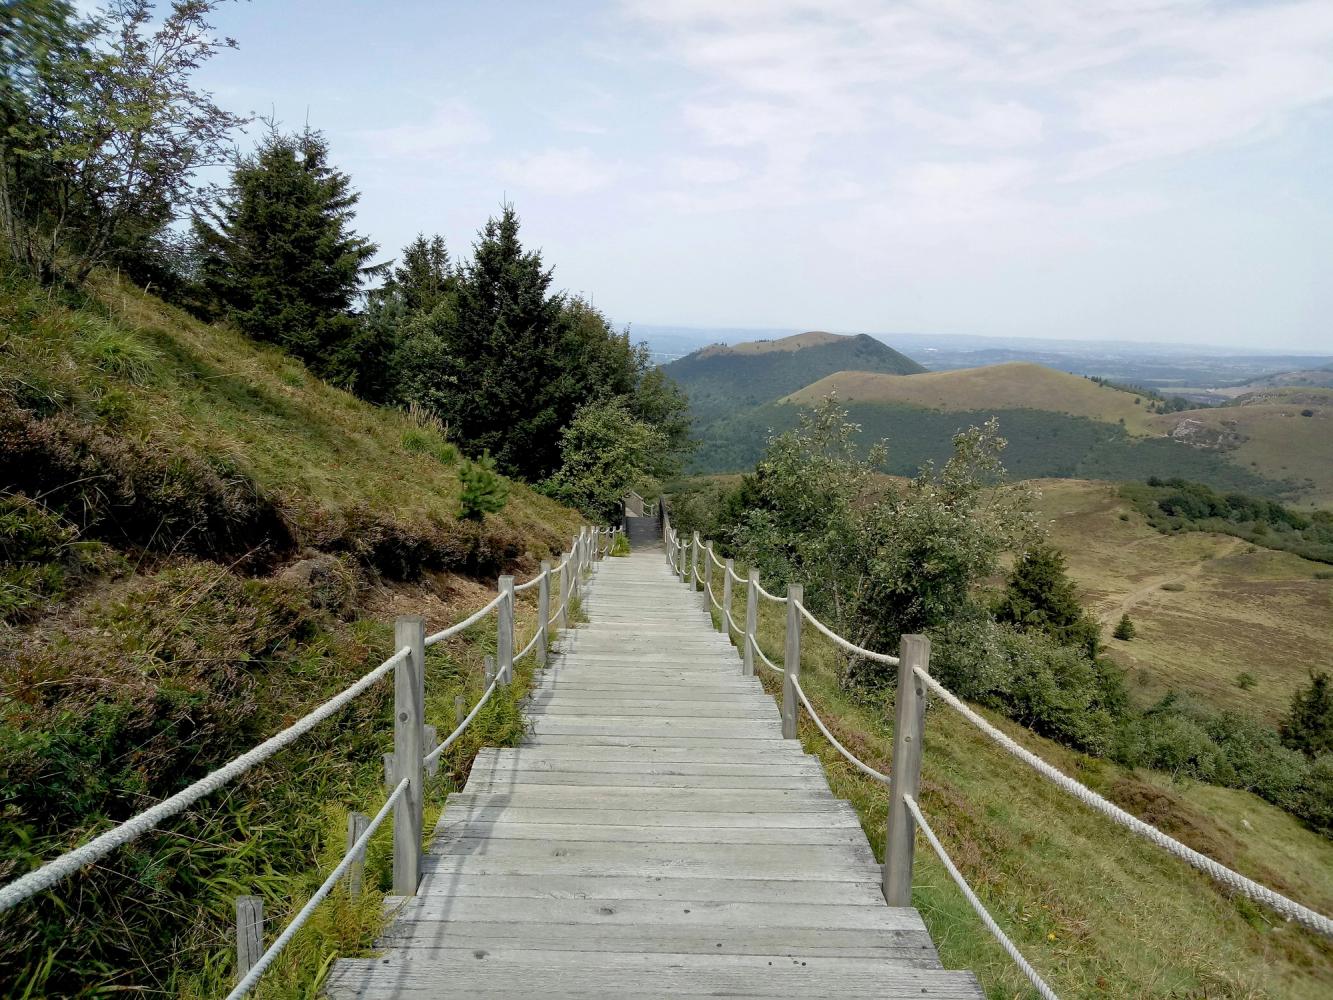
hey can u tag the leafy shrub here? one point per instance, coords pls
(483, 490)
(1246, 681)
(620, 547)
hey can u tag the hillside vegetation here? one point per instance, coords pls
(723, 380)
(1282, 433)
(1017, 385)
(1207, 607)
(200, 541)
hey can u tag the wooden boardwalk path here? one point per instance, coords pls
(654, 836)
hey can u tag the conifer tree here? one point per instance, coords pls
(1040, 596)
(1124, 629)
(1308, 726)
(279, 258)
(424, 275)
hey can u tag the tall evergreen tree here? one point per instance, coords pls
(424, 275)
(1039, 596)
(279, 257)
(1308, 726)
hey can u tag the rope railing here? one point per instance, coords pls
(67, 864)
(838, 640)
(1289, 908)
(589, 545)
(449, 741)
(1010, 948)
(754, 645)
(772, 597)
(251, 979)
(467, 622)
(855, 761)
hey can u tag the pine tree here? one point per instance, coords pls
(1308, 726)
(483, 491)
(1040, 596)
(424, 276)
(1124, 629)
(279, 257)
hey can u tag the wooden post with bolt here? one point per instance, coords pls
(409, 631)
(724, 625)
(791, 663)
(543, 612)
(751, 623)
(908, 730)
(504, 637)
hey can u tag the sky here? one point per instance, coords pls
(1128, 169)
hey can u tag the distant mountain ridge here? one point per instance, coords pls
(720, 379)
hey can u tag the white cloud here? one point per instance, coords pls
(451, 126)
(560, 172)
(706, 170)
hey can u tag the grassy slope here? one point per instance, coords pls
(214, 390)
(183, 663)
(1242, 608)
(1278, 441)
(1097, 911)
(1016, 385)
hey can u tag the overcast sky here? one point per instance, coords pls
(1124, 169)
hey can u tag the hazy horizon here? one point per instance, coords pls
(1148, 171)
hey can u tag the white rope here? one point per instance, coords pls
(529, 647)
(732, 622)
(772, 597)
(1037, 982)
(716, 603)
(861, 765)
(65, 865)
(518, 589)
(754, 644)
(839, 640)
(471, 619)
(716, 561)
(1289, 908)
(265, 960)
(736, 576)
(434, 755)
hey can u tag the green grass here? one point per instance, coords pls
(1096, 910)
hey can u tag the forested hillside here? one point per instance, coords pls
(724, 380)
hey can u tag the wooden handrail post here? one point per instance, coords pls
(566, 588)
(543, 612)
(460, 709)
(751, 623)
(791, 663)
(908, 732)
(409, 631)
(249, 933)
(488, 668)
(694, 563)
(356, 826)
(430, 739)
(724, 624)
(708, 579)
(682, 560)
(504, 638)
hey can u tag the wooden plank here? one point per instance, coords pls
(720, 890)
(489, 809)
(830, 862)
(497, 781)
(912, 947)
(589, 974)
(610, 725)
(649, 914)
(593, 832)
